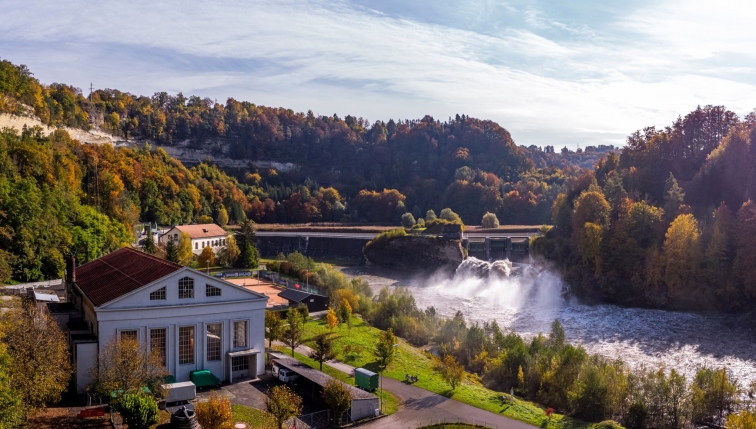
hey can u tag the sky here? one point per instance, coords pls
(551, 72)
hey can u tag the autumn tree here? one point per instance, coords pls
(745, 248)
(274, 327)
(39, 364)
(448, 214)
(292, 337)
(230, 252)
(714, 395)
(184, 249)
(283, 404)
(345, 312)
(673, 196)
(451, 371)
(337, 397)
(126, 366)
(12, 410)
(408, 221)
(332, 320)
(215, 413)
(430, 216)
(682, 255)
(222, 217)
(322, 349)
(206, 258)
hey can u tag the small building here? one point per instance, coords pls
(208, 234)
(197, 322)
(314, 302)
(363, 404)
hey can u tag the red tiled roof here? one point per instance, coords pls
(119, 273)
(202, 231)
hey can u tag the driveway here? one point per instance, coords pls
(420, 407)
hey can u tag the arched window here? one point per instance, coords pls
(186, 287)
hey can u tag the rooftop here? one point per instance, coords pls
(119, 273)
(317, 377)
(205, 230)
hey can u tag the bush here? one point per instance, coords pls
(489, 221)
(607, 424)
(215, 413)
(408, 221)
(385, 237)
(448, 214)
(138, 411)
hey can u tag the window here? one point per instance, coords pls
(186, 287)
(214, 341)
(211, 290)
(239, 363)
(224, 241)
(186, 345)
(196, 245)
(158, 294)
(131, 334)
(203, 244)
(240, 334)
(175, 237)
(157, 342)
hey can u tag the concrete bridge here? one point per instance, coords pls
(348, 245)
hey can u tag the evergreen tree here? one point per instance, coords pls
(246, 240)
(171, 252)
(149, 242)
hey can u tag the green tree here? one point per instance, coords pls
(171, 252)
(322, 349)
(345, 311)
(283, 404)
(274, 327)
(673, 196)
(12, 410)
(714, 395)
(139, 411)
(293, 334)
(126, 366)
(246, 240)
(430, 216)
(448, 214)
(489, 220)
(337, 397)
(408, 221)
(384, 348)
(149, 242)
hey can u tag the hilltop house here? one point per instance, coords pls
(208, 234)
(197, 322)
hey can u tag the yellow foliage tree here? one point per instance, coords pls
(215, 413)
(332, 320)
(185, 254)
(682, 255)
(206, 258)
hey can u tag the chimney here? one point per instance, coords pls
(72, 270)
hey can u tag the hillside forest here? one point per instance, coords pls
(666, 221)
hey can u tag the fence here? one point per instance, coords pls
(319, 419)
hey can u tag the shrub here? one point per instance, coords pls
(408, 221)
(489, 221)
(138, 411)
(448, 214)
(215, 413)
(385, 237)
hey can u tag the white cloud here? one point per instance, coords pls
(588, 87)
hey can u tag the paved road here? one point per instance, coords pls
(371, 235)
(420, 407)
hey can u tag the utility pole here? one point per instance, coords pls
(91, 91)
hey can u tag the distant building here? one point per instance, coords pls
(314, 302)
(208, 234)
(452, 231)
(196, 321)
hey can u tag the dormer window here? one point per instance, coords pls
(186, 287)
(158, 294)
(211, 290)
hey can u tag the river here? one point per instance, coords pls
(529, 304)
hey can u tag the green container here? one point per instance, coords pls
(204, 378)
(366, 380)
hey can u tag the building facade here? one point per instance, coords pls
(194, 321)
(204, 235)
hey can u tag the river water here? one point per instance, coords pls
(529, 304)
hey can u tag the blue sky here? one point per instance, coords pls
(558, 73)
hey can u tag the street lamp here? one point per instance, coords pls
(380, 383)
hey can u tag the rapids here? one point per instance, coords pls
(529, 303)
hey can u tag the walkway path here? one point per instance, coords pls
(420, 407)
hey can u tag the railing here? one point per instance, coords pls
(320, 419)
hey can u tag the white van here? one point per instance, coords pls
(287, 375)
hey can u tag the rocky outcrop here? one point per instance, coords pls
(415, 253)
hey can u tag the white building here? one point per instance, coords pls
(196, 321)
(208, 234)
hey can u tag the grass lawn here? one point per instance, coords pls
(355, 346)
(253, 417)
(454, 426)
(390, 402)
